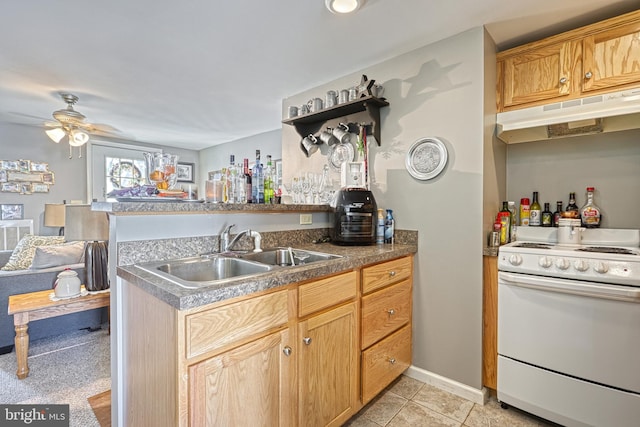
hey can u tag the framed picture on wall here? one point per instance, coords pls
(11, 211)
(186, 172)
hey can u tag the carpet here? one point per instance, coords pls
(66, 369)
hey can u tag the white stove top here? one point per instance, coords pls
(606, 256)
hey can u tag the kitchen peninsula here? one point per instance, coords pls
(169, 361)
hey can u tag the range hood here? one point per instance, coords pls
(608, 112)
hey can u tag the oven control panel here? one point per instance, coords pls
(584, 267)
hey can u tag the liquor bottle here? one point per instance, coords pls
(535, 213)
(268, 181)
(590, 213)
(525, 211)
(257, 181)
(230, 182)
(557, 214)
(572, 210)
(241, 195)
(504, 218)
(547, 216)
(248, 191)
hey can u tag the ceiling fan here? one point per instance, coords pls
(71, 124)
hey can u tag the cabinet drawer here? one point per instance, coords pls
(383, 274)
(385, 311)
(224, 325)
(384, 362)
(324, 293)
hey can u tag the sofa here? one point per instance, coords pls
(37, 279)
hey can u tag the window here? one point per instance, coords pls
(114, 165)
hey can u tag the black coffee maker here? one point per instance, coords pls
(354, 220)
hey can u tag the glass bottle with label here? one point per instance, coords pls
(546, 216)
(504, 218)
(535, 214)
(572, 210)
(557, 214)
(512, 221)
(590, 213)
(257, 181)
(268, 181)
(525, 210)
(248, 191)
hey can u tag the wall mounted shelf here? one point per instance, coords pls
(311, 123)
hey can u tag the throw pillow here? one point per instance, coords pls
(24, 251)
(56, 255)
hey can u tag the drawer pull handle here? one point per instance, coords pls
(391, 312)
(392, 361)
(287, 351)
(392, 273)
(588, 75)
(306, 340)
(563, 80)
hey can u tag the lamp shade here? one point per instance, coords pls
(81, 223)
(56, 134)
(54, 215)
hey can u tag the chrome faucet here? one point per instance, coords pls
(225, 244)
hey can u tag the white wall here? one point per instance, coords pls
(437, 90)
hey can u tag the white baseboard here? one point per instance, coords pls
(473, 394)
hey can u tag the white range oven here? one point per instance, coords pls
(569, 327)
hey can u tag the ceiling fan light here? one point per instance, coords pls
(56, 134)
(78, 138)
(343, 6)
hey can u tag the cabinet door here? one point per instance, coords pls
(539, 74)
(247, 386)
(612, 58)
(328, 367)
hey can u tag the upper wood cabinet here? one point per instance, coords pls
(595, 59)
(612, 58)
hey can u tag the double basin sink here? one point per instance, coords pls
(206, 270)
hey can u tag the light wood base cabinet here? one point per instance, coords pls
(386, 324)
(294, 356)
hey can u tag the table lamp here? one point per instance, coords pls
(81, 223)
(54, 216)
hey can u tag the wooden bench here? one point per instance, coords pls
(39, 305)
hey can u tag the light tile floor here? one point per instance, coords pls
(409, 402)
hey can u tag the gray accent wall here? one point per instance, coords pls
(609, 162)
(435, 91)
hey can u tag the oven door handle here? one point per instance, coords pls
(572, 287)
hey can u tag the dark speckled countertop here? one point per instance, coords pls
(181, 298)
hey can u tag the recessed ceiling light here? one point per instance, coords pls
(343, 6)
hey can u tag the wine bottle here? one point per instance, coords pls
(535, 212)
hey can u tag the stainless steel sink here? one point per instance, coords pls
(281, 256)
(198, 272)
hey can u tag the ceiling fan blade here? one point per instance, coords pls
(52, 124)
